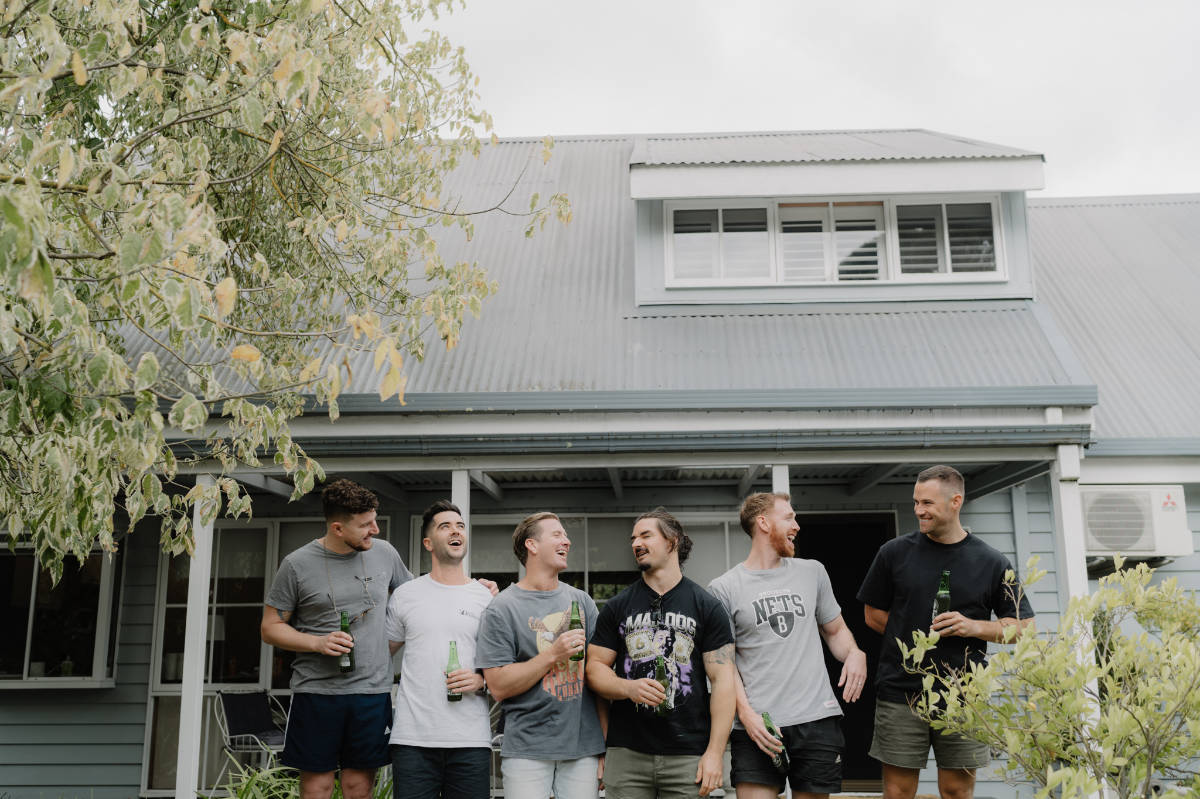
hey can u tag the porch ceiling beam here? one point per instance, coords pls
(1003, 477)
(873, 477)
(752, 474)
(487, 484)
(383, 486)
(264, 483)
(614, 478)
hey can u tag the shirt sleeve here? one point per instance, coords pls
(395, 618)
(282, 595)
(496, 644)
(717, 629)
(828, 608)
(1004, 596)
(607, 634)
(877, 588)
(720, 590)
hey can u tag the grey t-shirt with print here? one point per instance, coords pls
(556, 718)
(315, 584)
(775, 614)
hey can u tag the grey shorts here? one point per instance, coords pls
(903, 739)
(636, 775)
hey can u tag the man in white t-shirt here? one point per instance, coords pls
(440, 746)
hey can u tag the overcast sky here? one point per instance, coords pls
(1106, 90)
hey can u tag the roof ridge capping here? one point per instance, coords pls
(783, 147)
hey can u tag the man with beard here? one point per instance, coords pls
(781, 607)
(440, 744)
(338, 719)
(663, 742)
(553, 741)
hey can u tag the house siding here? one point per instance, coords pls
(87, 743)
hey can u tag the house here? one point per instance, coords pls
(824, 313)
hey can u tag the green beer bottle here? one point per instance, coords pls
(576, 623)
(941, 600)
(779, 761)
(660, 676)
(452, 665)
(346, 659)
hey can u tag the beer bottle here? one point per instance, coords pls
(346, 659)
(576, 623)
(452, 665)
(660, 676)
(941, 600)
(779, 761)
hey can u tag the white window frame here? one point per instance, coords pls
(771, 207)
(889, 257)
(101, 631)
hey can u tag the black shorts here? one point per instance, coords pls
(327, 732)
(814, 748)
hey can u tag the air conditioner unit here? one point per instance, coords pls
(1146, 521)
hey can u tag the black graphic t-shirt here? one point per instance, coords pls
(681, 625)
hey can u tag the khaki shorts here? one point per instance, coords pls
(903, 739)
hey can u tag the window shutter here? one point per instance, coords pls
(745, 243)
(918, 228)
(972, 246)
(858, 233)
(695, 244)
(802, 242)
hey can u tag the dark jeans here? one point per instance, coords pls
(421, 772)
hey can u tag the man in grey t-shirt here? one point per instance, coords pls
(338, 719)
(780, 608)
(552, 736)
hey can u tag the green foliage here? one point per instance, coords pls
(1111, 699)
(207, 206)
(280, 782)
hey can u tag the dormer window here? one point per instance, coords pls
(798, 242)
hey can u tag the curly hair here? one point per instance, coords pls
(758, 505)
(672, 530)
(342, 499)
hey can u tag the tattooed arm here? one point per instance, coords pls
(718, 665)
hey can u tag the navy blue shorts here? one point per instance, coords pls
(327, 732)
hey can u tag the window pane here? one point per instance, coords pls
(177, 579)
(236, 644)
(859, 237)
(694, 237)
(172, 652)
(164, 743)
(293, 535)
(745, 245)
(918, 227)
(64, 620)
(802, 244)
(16, 572)
(972, 246)
(241, 561)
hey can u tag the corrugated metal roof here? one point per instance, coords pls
(813, 146)
(1122, 277)
(565, 317)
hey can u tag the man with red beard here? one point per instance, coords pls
(781, 607)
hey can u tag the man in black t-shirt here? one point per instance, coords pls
(898, 598)
(672, 741)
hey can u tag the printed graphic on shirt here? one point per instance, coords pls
(673, 637)
(779, 610)
(564, 682)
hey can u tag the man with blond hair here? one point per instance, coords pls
(553, 741)
(781, 607)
